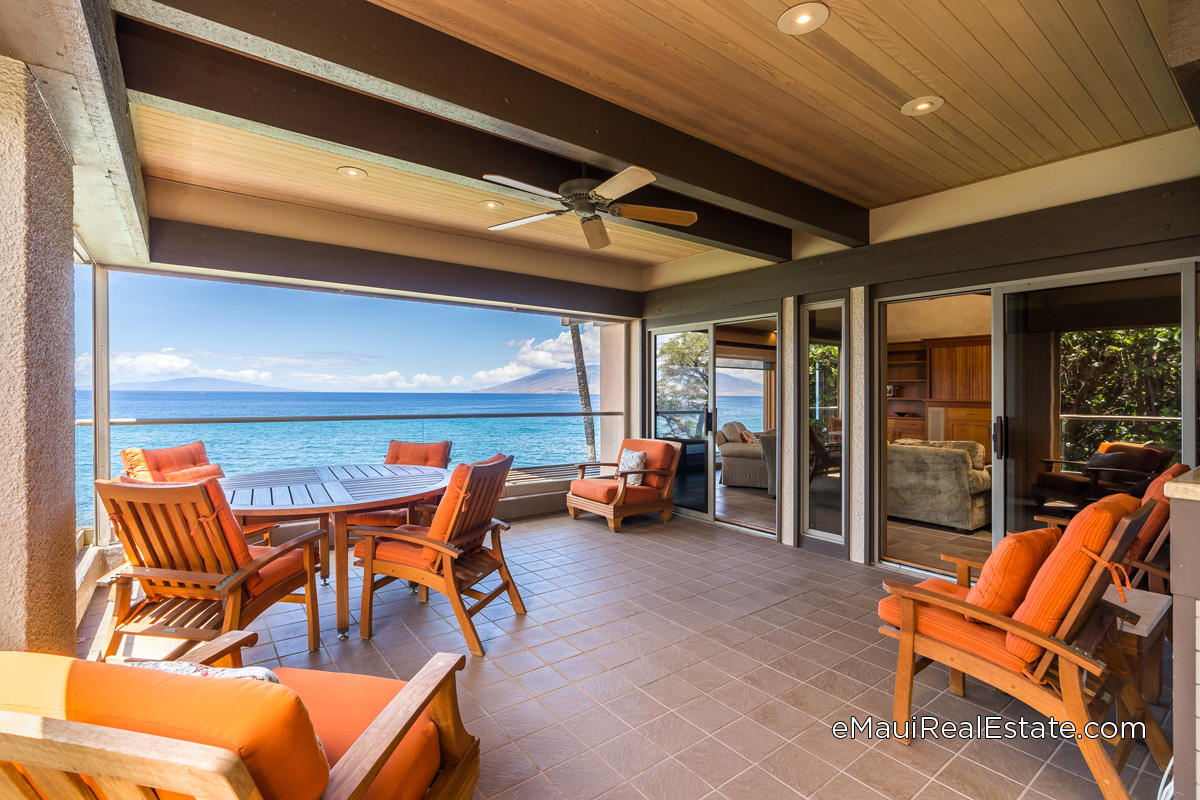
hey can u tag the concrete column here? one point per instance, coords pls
(859, 427)
(614, 383)
(37, 453)
(787, 491)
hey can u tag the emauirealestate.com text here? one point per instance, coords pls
(982, 727)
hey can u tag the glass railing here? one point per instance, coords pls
(1082, 434)
(251, 444)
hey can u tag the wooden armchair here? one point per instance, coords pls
(1068, 667)
(422, 454)
(822, 460)
(148, 734)
(615, 498)
(448, 556)
(198, 576)
(1078, 489)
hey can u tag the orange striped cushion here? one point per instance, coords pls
(1010, 569)
(951, 627)
(419, 454)
(195, 474)
(230, 528)
(155, 465)
(1061, 578)
(1158, 515)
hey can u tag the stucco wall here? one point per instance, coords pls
(787, 487)
(859, 427)
(37, 526)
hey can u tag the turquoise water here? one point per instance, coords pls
(252, 447)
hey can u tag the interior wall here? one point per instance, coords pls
(939, 317)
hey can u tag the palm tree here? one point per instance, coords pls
(585, 396)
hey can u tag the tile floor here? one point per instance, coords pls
(922, 545)
(745, 506)
(686, 661)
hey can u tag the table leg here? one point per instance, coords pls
(341, 564)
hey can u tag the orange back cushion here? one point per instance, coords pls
(195, 474)
(419, 454)
(229, 527)
(1010, 569)
(264, 723)
(1141, 457)
(443, 518)
(659, 455)
(1158, 515)
(1062, 576)
(156, 465)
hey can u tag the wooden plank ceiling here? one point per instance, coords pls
(1025, 82)
(201, 153)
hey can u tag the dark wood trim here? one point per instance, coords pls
(473, 87)
(190, 245)
(1156, 223)
(1183, 50)
(166, 65)
(764, 308)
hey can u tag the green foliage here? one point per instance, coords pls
(1132, 372)
(824, 362)
(681, 388)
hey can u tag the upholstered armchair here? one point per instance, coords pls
(741, 461)
(619, 496)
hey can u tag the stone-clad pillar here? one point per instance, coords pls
(37, 453)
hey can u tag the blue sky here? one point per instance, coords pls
(163, 328)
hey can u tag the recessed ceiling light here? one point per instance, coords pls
(804, 18)
(490, 204)
(352, 172)
(922, 105)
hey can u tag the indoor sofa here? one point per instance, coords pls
(941, 483)
(741, 461)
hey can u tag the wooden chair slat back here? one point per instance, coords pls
(1098, 580)
(167, 527)
(122, 765)
(485, 483)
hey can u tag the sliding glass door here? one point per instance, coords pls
(821, 441)
(684, 408)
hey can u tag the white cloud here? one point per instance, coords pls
(326, 359)
(83, 364)
(556, 353)
(168, 365)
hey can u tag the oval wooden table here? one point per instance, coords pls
(333, 492)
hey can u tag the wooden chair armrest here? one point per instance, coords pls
(1153, 569)
(1058, 522)
(211, 652)
(1007, 624)
(118, 575)
(1064, 461)
(203, 578)
(353, 774)
(1132, 473)
(404, 536)
(235, 581)
(963, 566)
(644, 472)
(583, 467)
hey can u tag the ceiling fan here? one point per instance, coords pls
(588, 198)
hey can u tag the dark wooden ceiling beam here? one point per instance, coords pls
(454, 80)
(166, 65)
(1183, 50)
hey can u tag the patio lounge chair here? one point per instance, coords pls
(1137, 462)
(449, 555)
(615, 498)
(81, 730)
(198, 576)
(1034, 629)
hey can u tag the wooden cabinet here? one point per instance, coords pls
(960, 388)
(908, 379)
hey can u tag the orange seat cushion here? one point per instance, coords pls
(419, 454)
(285, 567)
(1158, 515)
(604, 490)
(264, 723)
(342, 705)
(154, 465)
(383, 518)
(1010, 569)
(1061, 577)
(951, 627)
(398, 552)
(659, 455)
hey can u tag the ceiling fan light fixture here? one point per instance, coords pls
(804, 18)
(352, 172)
(922, 105)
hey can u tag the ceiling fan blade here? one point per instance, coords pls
(525, 220)
(525, 187)
(670, 216)
(596, 233)
(624, 182)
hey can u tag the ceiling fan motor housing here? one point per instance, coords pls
(577, 195)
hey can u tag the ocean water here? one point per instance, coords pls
(251, 447)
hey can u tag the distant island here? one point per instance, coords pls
(564, 381)
(195, 385)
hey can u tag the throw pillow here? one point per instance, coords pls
(1008, 572)
(749, 438)
(633, 459)
(1099, 459)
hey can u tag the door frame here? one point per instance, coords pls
(803, 523)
